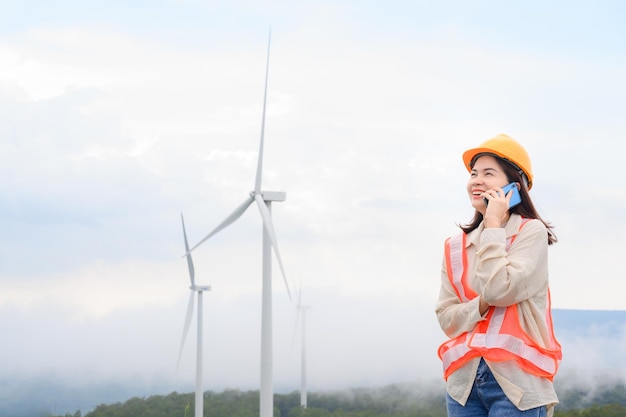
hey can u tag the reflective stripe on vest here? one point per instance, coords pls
(457, 266)
(500, 336)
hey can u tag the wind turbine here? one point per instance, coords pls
(199, 289)
(263, 200)
(301, 314)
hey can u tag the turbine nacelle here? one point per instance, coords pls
(270, 195)
(200, 288)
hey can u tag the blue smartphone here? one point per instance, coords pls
(515, 197)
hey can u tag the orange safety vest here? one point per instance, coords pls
(500, 336)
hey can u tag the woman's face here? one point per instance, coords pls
(486, 174)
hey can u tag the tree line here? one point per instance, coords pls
(389, 401)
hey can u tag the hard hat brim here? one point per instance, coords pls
(470, 154)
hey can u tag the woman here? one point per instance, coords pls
(494, 302)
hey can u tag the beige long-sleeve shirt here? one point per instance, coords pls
(502, 279)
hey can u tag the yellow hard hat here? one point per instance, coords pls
(505, 147)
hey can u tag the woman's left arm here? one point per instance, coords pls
(520, 274)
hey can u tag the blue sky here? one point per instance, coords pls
(117, 117)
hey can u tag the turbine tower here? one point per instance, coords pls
(263, 200)
(302, 316)
(199, 289)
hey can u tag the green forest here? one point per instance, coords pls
(393, 401)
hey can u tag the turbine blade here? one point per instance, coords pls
(186, 327)
(269, 227)
(188, 255)
(259, 165)
(230, 219)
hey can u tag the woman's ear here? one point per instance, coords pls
(519, 186)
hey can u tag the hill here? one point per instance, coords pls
(406, 400)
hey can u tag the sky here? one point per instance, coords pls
(117, 117)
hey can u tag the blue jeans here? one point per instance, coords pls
(488, 400)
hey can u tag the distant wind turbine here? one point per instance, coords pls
(264, 201)
(199, 404)
(301, 315)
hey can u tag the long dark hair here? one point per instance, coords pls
(525, 209)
